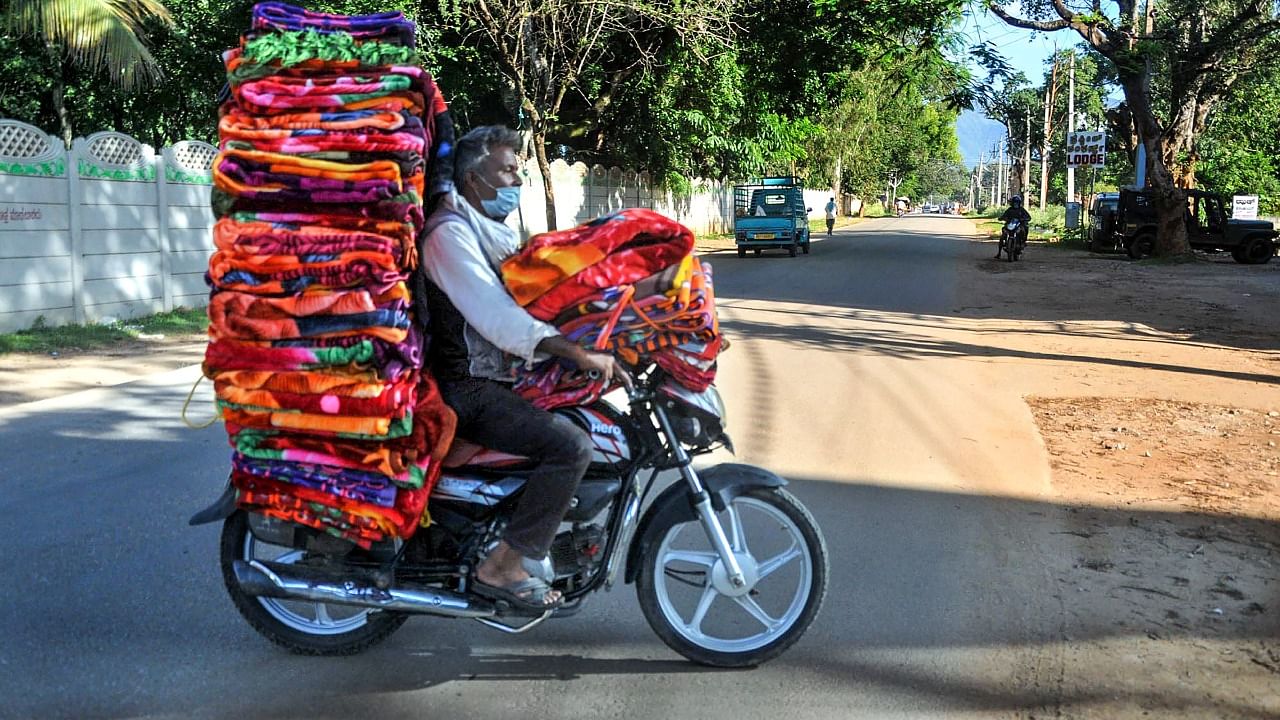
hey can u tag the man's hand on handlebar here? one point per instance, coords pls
(604, 366)
(599, 364)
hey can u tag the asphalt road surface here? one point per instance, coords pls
(840, 378)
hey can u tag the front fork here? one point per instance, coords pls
(702, 501)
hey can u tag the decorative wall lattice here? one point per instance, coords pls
(189, 162)
(19, 141)
(193, 155)
(111, 148)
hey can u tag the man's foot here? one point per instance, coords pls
(503, 574)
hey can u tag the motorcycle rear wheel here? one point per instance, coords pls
(301, 627)
(804, 560)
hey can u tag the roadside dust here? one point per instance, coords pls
(1161, 420)
(27, 377)
(1165, 455)
(1168, 560)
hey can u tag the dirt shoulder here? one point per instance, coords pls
(1156, 390)
(27, 377)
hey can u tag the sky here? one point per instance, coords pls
(1025, 50)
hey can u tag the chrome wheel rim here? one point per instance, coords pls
(312, 618)
(783, 570)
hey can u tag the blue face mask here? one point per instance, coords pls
(504, 204)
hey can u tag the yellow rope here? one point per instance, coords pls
(187, 404)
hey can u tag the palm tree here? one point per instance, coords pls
(98, 35)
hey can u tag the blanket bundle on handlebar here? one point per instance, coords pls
(331, 138)
(627, 283)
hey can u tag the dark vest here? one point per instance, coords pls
(447, 358)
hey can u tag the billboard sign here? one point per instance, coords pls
(1086, 149)
(1244, 207)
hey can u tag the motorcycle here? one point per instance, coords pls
(1013, 239)
(707, 592)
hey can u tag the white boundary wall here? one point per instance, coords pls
(112, 229)
(109, 229)
(584, 193)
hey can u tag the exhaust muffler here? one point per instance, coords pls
(258, 580)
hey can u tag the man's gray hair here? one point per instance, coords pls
(476, 145)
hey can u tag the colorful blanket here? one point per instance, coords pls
(289, 178)
(564, 268)
(589, 283)
(276, 52)
(385, 26)
(330, 139)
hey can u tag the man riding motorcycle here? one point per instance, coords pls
(475, 328)
(1014, 212)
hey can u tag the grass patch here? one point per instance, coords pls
(991, 228)
(712, 237)
(41, 338)
(819, 227)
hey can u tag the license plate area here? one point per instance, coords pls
(764, 236)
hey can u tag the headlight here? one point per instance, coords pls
(696, 417)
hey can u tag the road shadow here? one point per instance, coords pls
(910, 338)
(1212, 301)
(113, 607)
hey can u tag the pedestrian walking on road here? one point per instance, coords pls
(831, 215)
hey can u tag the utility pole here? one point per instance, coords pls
(982, 161)
(1140, 162)
(999, 196)
(1026, 161)
(1071, 127)
(1009, 167)
(1046, 148)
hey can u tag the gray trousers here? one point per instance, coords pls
(490, 414)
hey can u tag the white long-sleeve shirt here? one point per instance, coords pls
(462, 254)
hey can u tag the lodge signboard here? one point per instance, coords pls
(1086, 149)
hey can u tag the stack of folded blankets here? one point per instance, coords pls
(329, 141)
(626, 283)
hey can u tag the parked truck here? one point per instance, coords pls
(1133, 228)
(770, 213)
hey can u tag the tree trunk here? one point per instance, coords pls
(1046, 149)
(1017, 176)
(1170, 201)
(835, 181)
(57, 94)
(540, 152)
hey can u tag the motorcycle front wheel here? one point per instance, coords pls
(686, 597)
(302, 627)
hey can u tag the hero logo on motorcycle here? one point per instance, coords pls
(601, 428)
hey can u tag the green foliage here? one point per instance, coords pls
(105, 36)
(802, 87)
(1241, 152)
(42, 338)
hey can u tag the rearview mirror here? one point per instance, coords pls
(808, 209)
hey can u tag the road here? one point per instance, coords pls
(927, 479)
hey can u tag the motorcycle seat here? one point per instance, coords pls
(464, 453)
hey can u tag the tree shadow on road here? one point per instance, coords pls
(114, 607)
(894, 338)
(1213, 301)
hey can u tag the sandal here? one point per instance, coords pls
(528, 595)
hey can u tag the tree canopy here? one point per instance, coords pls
(846, 94)
(1176, 62)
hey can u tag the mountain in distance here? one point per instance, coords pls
(977, 134)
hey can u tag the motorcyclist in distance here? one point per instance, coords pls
(1015, 211)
